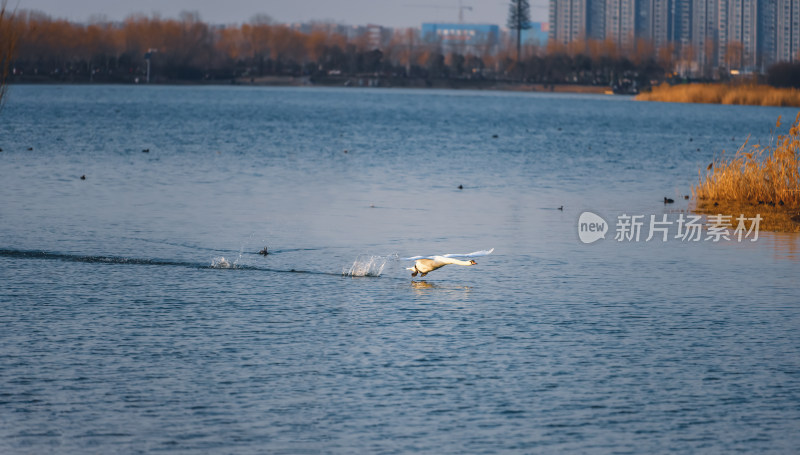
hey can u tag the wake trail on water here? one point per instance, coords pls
(36, 254)
(363, 266)
(216, 263)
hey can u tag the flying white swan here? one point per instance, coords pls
(426, 264)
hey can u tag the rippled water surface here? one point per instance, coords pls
(136, 315)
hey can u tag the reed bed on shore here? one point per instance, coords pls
(755, 95)
(756, 180)
(756, 175)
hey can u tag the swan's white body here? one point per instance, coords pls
(426, 264)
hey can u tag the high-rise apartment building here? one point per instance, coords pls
(597, 19)
(568, 20)
(642, 20)
(767, 33)
(723, 34)
(787, 30)
(661, 18)
(703, 32)
(682, 24)
(729, 34)
(621, 22)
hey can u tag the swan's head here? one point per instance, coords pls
(472, 262)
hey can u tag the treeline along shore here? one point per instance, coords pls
(261, 52)
(187, 49)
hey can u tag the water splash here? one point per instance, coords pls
(241, 261)
(368, 265)
(221, 263)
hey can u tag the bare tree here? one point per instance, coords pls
(8, 46)
(519, 19)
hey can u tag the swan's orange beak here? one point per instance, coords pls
(472, 261)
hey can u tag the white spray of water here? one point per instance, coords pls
(367, 265)
(221, 263)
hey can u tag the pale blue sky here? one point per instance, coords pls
(393, 13)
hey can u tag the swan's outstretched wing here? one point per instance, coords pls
(468, 255)
(414, 258)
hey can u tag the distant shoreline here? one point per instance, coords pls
(353, 81)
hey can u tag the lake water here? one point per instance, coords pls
(123, 329)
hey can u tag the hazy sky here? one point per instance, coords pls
(392, 13)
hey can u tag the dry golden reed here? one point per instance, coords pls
(756, 174)
(754, 95)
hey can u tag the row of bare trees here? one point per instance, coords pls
(188, 49)
(8, 44)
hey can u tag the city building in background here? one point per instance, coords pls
(569, 20)
(620, 22)
(787, 40)
(462, 38)
(702, 37)
(377, 36)
(537, 35)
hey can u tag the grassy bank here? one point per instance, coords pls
(754, 95)
(756, 179)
